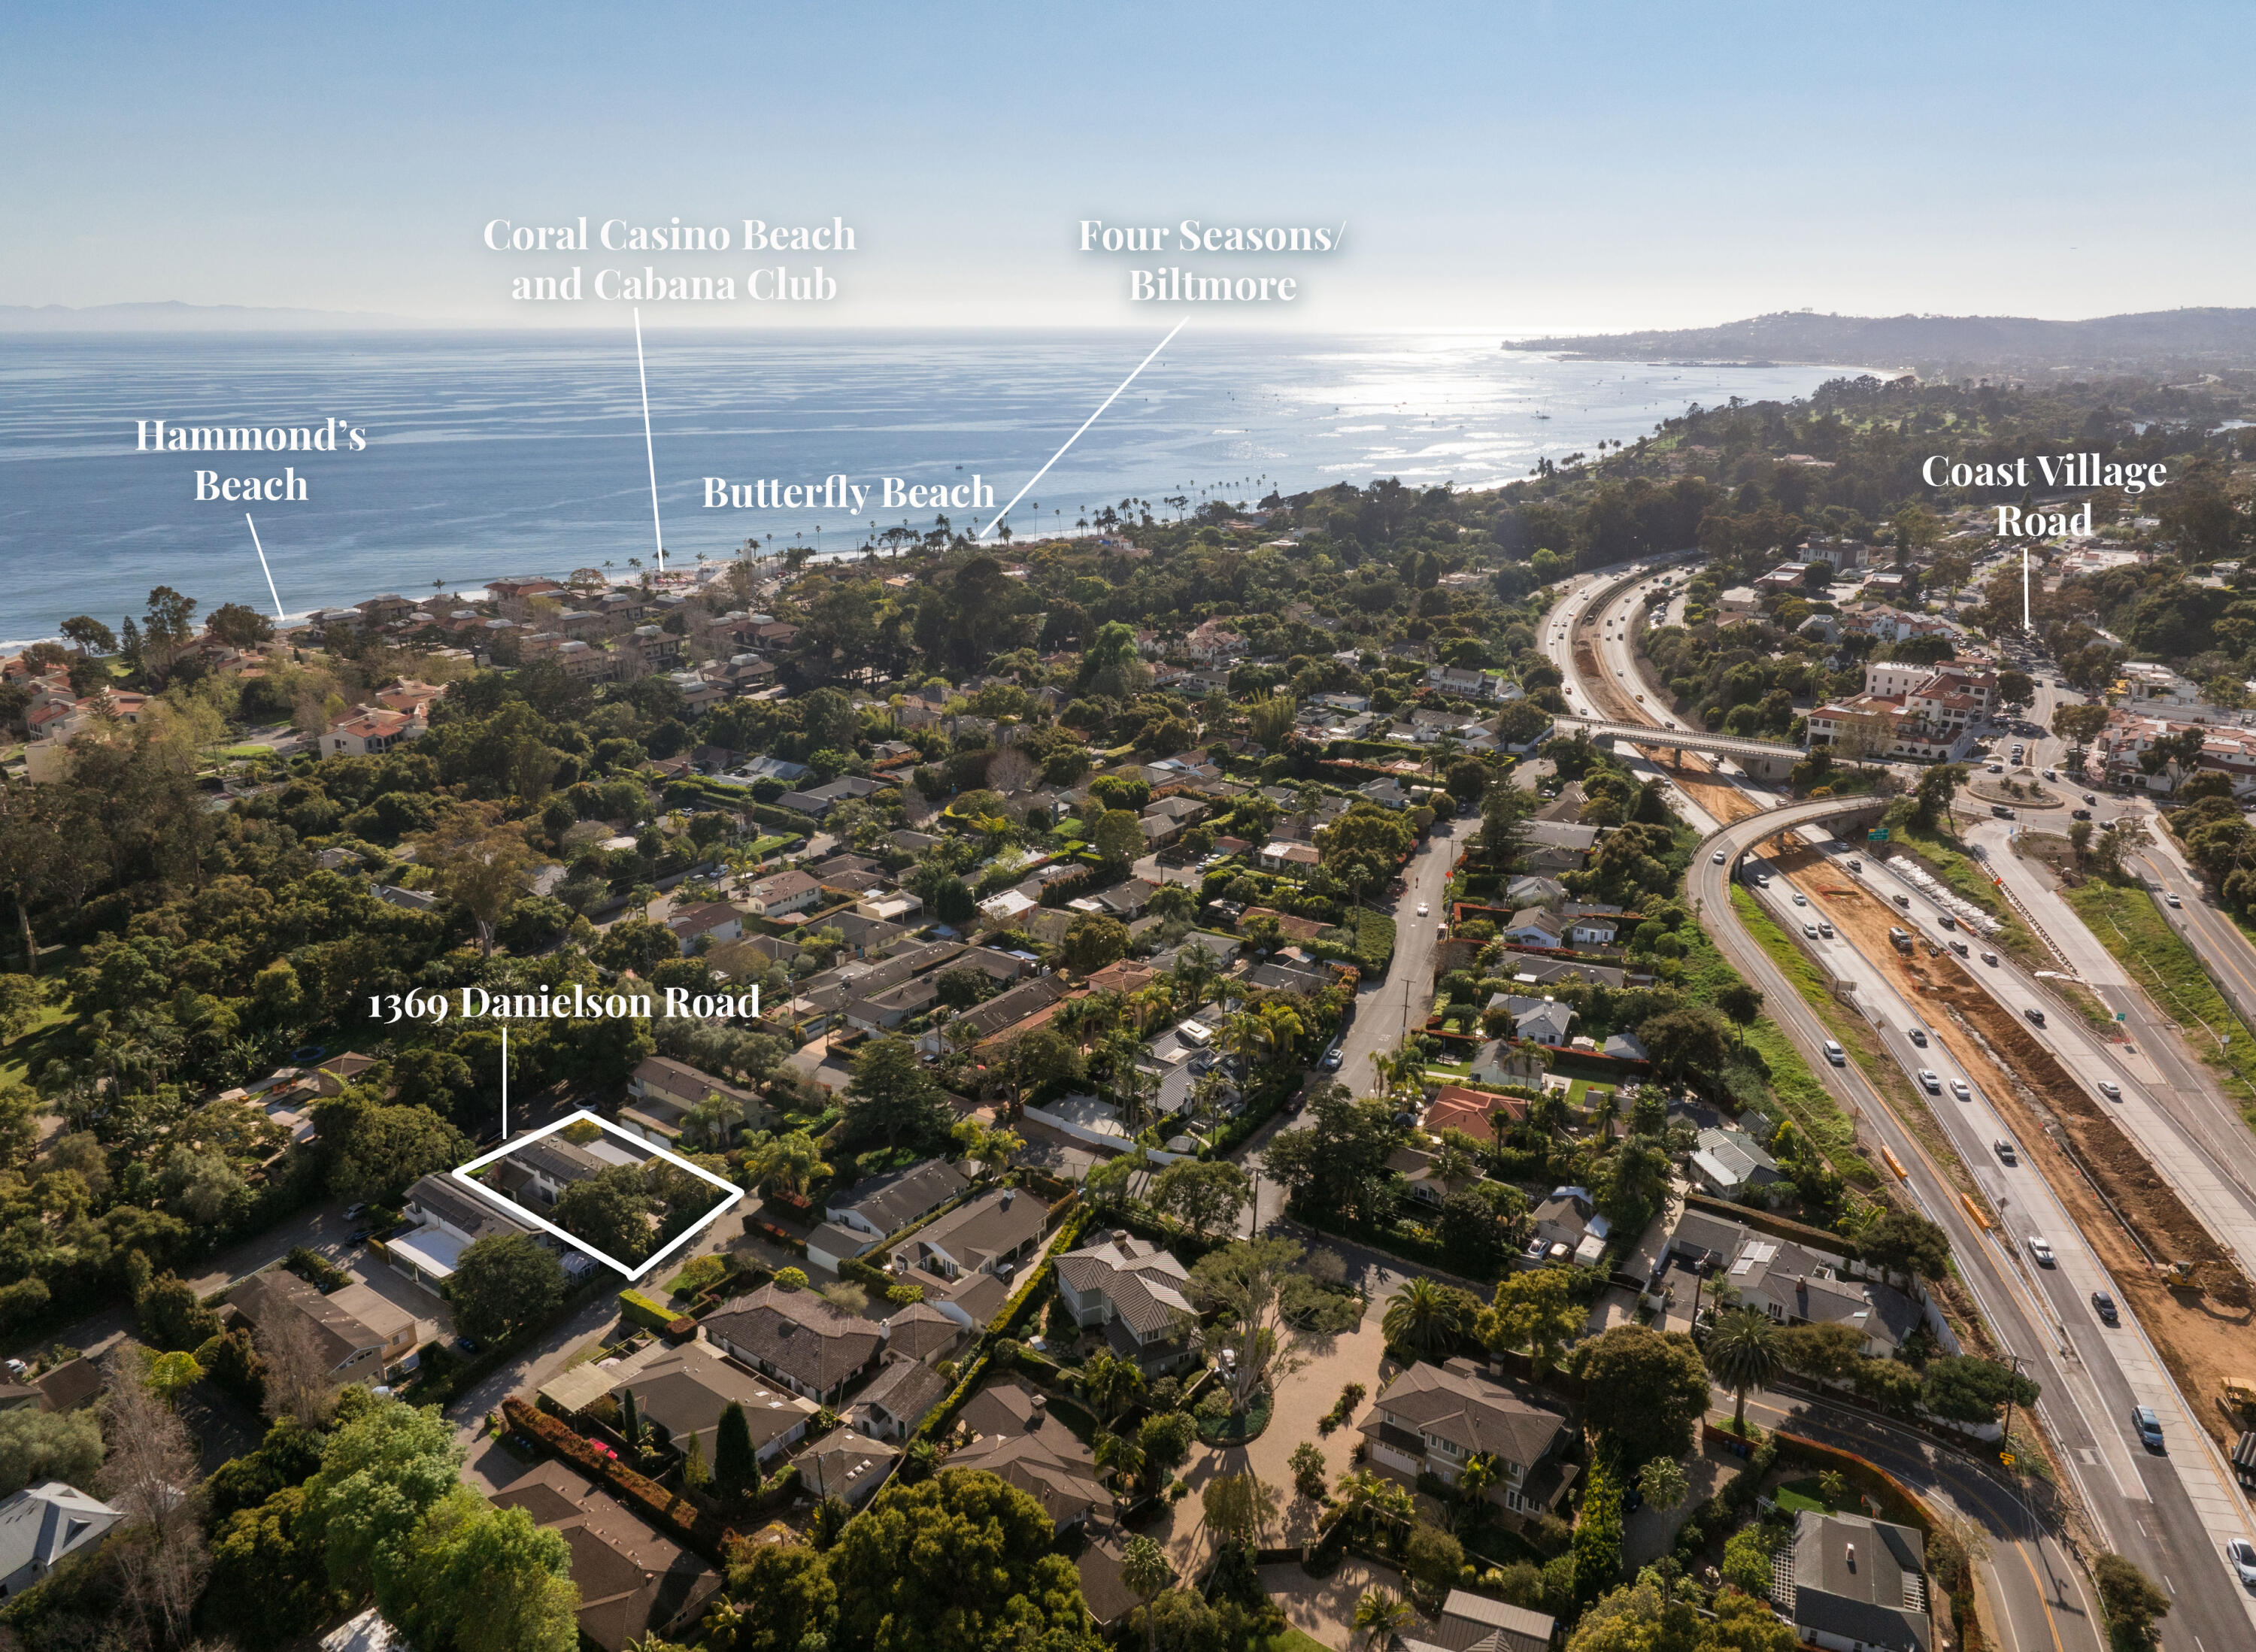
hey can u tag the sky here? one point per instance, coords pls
(1520, 168)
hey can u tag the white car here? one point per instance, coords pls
(2172, 901)
(1809, 930)
(1928, 1082)
(1802, 900)
(1421, 908)
(2111, 1089)
(1719, 857)
(1958, 1089)
(2041, 1251)
(2241, 1555)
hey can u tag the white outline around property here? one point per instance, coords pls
(463, 1173)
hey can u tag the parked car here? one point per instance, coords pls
(2040, 1250)
(1330, 1063)
(2104, 1305)
(354, 1212)
(2149, 1425)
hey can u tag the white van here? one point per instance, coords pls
(1835, 1053)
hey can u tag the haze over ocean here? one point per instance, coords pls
(498, 453)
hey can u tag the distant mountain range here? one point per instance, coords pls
(172, 316)
(2153, 338)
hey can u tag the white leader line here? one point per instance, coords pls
(658, 532)
(1085, 424)
(269, 572)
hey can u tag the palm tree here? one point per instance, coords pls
(1482, 1471)
(789, 1162)
(1745, 1351)
(1122, 1455)
(1381, 1613)
(1144, 1568)
(1422, 1317)
(1110, 1383)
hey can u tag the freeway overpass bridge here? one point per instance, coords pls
(1764, 759)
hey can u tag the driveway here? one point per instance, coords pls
(1323, 1608)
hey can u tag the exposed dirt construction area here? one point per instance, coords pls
(2204, 1330)
(1721, 799)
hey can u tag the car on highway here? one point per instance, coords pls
(2241, 1555)
(1809, 931)
(2104, 1305)
(1929, 1081)
(2036, 1015)
(1958, 1089)
(2040, 1250)
(1800, 899)
(1946, 920)
(1959, 947)
(1904, 901)
(1918, 1035)
(1835, 1053)
(2005, 1153)
(1990, 959)
(2172, 901)
(1640, 699)
(1719, 857)
(2149, 1425)
(1762, 881)
(2112, 1091)
(1825, 928)
(1855, 864)
(1421, 908)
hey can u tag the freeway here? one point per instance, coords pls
(2168, 1516)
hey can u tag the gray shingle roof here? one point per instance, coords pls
(1474, 1413)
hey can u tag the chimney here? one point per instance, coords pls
(1851, 1552)
(1009, 1194)
(1120, 1236)
(1040, 1405)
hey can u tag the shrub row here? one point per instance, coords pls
(669, 1512)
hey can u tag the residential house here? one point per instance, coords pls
(635, 1583)
(798, 1338)
(1541, 1020)
(1003, 1010)
(1551, 845)
(1527, 971)
(882, 1012)
(685, 1389)
(359, 1333)
(70, 1385)
(787, 892)
(713, 922)
(848, 1464)
(1012, 1438)
(1528, 890)
(990, 1235)
(1133, 1290)
(1797, 1286)
(1568, 1228)
(1429, 1419)
(1473, 1111)
(1498, 1062)
(1536, 927)
(448, 1218)
(537, 1173)
(854, 1225)
(1851, 1584)
(905, 1390)
(44, 1525)
(1731, 1163)
(369, 731)
(1214, 643)
(662, 1092)
(1284, 854)
(1475, 1623)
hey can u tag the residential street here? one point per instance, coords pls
(1383, 1012)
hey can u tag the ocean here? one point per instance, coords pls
(493, 454)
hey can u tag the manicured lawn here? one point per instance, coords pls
(242, 751)
(1294, 1641)
(1796, 1495)
(766, 846)
(1582, 1092)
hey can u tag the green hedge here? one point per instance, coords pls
(648, 1313)
(785, 820)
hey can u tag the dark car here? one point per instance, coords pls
(2036, 1015)
(2079, 814)
(360, 1236)
(2104, 1305)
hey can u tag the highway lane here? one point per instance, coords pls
(2141, 1503)
(2166, 1534)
